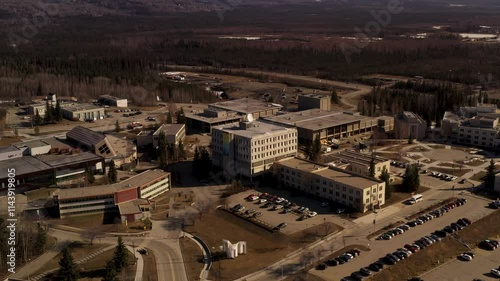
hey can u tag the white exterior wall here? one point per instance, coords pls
(155, 189)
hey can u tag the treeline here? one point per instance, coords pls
(428, 99)
(30, 241)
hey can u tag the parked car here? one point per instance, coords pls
(321, 266)
(313, 214)
(365, 271)
(282, 225)
(486, 245)
(465, 257)
(332, 262)
(495, 272)
(325, 204)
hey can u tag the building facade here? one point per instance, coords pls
(120, 197)
(322, 102)
(209, 118)
(83, 112)
(409, 124)
(174, 133)
(245, 107)
(352, 190)
(251, 148)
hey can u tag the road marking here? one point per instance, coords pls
(171, 265)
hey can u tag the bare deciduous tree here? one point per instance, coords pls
(90, 234)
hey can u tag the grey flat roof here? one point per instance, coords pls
(27, 165)
(62, 160)
(258, 129)
(111, 97)
(356, 157)
(335, 174)
(88, 191)
(141, 179)
(56, 143)
(211, 120)
(244, 105)
(169, 129)
(32, 144)
(346, 178)
(316, 119)
(81, 107)
(8, 148)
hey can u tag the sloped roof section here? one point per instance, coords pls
(85, 136)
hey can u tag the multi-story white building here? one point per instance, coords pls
(356, 191)
(252, 147)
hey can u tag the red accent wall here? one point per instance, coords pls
(126, 195)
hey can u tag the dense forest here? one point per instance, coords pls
(428, 99)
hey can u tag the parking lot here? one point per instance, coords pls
(379, 248)
(458, 270)
(292, 219)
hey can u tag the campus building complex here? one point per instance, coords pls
(174, 133)
(350, 189)
(250, 148)
(475, 126)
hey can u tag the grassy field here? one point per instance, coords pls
(264, 249)
(193, 258)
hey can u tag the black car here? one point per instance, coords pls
(441, 233)
(332, 262)
(374, 267)
(356, 276)
(493, 205)
(486, 245)
(412, 223)
(339, 260)
(389, 260)
(365, 271)
(448, 229)
(321, 266)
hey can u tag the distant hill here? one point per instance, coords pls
(16, 8)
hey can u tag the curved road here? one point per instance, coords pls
(350, 99)
(169, 261)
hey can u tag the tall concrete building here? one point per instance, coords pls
(409, 124)
(322, 102)
(251, 148)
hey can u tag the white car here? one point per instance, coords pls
(465, 257)
(495, 272)
(262, 201)
(313, 214)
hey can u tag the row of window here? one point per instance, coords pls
(84, 206)
(113, 208)
(90, 198)
(476, 132)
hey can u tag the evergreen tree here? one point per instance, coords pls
(38, 119)
(411, 179)
(196, 162)
(58, 111)
(334, 97)
(120, 256)
(489, 181)
(386, 177)
(205, 163)
(39, 90)
(41, 239)
(89, 175)
(181, 117)
(117, 126)
(162, 150)
(315, 150)
(181, 149)
(371, 169)
(49, 111)
(112, 174)
(410, 139)
(68, 270)
(110, 273)
(169, 118)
